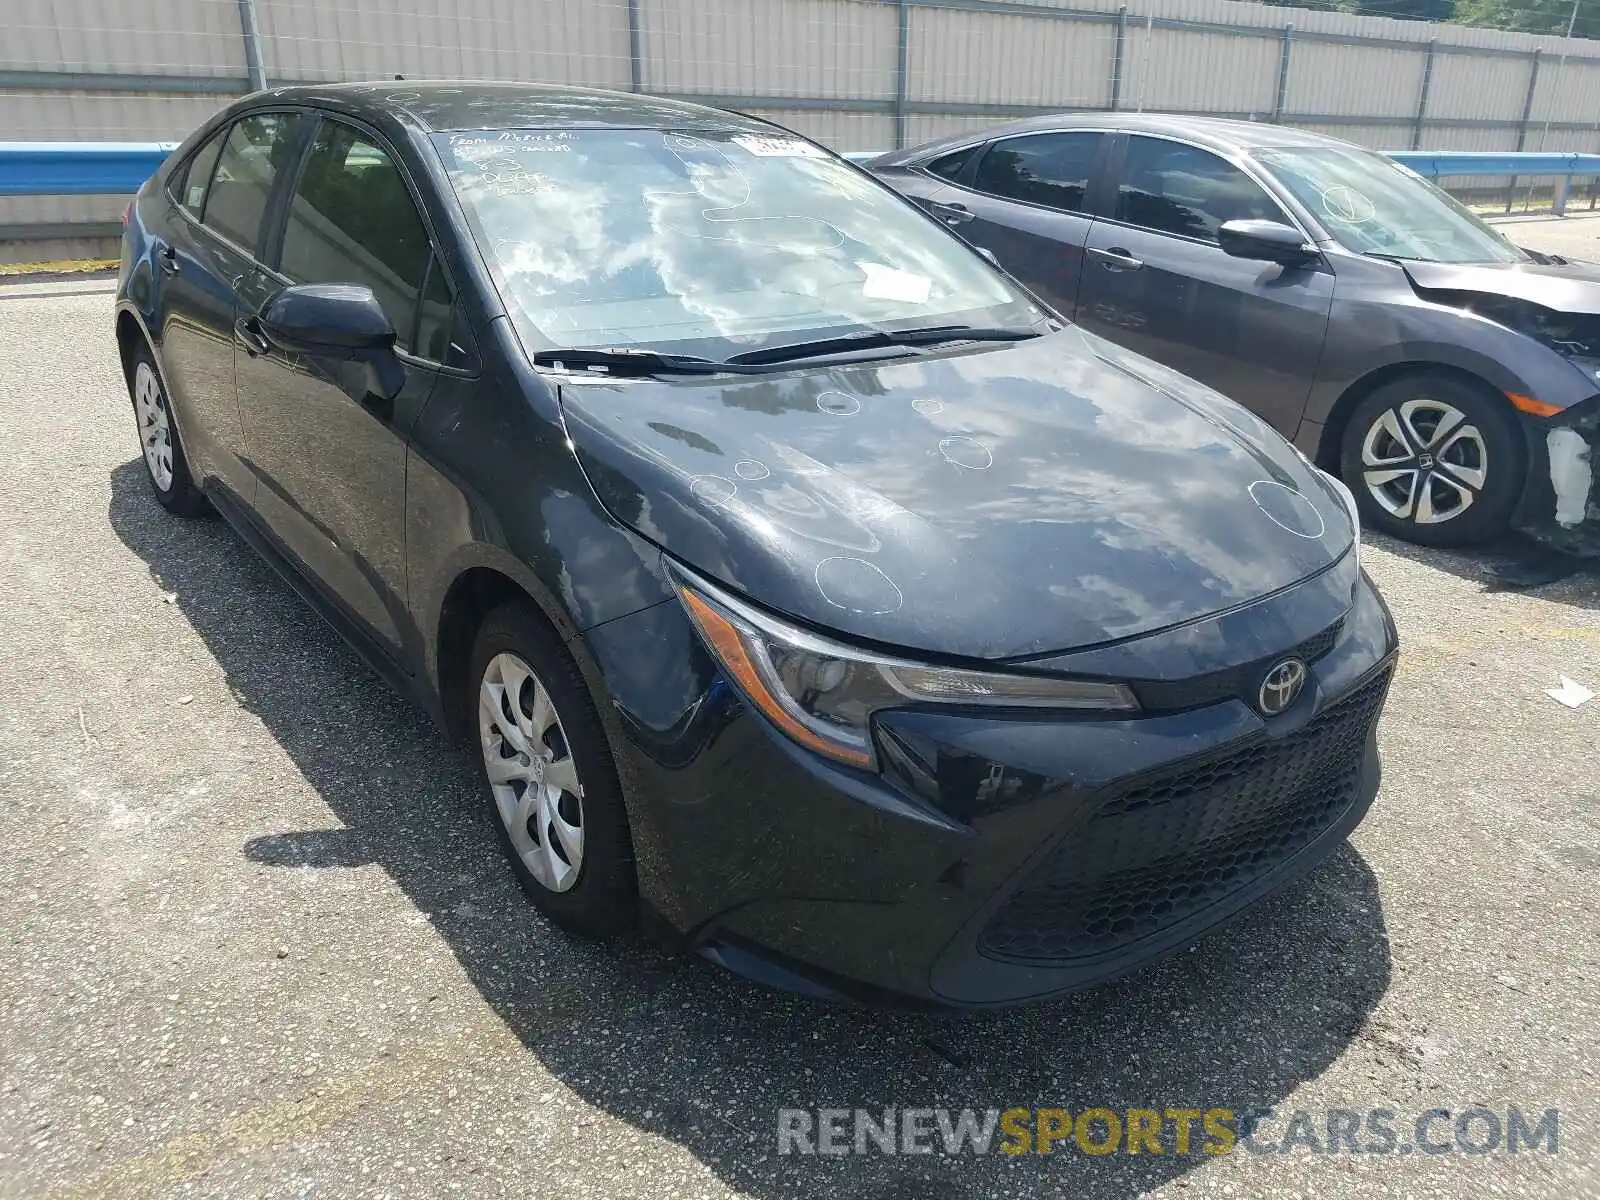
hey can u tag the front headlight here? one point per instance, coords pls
(823, 694)
(1350, 507)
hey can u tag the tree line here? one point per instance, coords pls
(1516, 16)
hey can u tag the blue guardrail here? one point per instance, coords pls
(78, 168)
(119, 168)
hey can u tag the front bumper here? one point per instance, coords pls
(995, 859)
(1560, 503)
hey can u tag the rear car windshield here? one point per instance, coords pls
(1372, 205)
(706, 243)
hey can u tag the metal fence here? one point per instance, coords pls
(855, 74)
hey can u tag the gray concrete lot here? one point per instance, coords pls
(1576, 237)
(255, 938)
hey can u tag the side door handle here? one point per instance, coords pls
(1115, 259)
(168, 258)
(951, 214)
(247, 330)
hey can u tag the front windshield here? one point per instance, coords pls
(706, 243)
(1372, 205)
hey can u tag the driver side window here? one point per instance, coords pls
(1170, 187)
(352, 220)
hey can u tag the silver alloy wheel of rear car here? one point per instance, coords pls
(155, 433)
(1423, 462)
(531, 771)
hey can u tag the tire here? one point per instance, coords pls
(567, 784)
(165, 464)
(1434, 459)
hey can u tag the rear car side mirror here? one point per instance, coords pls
(339, 321)
(1267, 241)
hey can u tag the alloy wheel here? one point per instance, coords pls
(1423, 461)
(155, 431)
(531, 771)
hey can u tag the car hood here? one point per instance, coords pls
(992, 502)
(1573, 288)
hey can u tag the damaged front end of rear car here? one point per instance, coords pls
(1560, 505)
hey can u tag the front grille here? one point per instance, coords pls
(1233, 683)
(1159, 852)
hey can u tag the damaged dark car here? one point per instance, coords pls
(1449, 377)
(800, 584)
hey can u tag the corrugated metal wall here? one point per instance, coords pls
(856, 74)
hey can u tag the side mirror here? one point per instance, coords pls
(339, 321)
(1268, 241)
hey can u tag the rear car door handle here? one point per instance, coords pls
(1116, 259)
(168, 258)
(248, 331)
(951, 214)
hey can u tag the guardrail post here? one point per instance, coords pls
(1522, 126)
(1283, 74)
(252, 46)
(902, 71)
(1422, 98)
(1119, 45)
(1558, 205)
(635, 48)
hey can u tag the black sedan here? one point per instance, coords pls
(798, 581)
(1450, 378)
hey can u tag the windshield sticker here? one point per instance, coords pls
(1343, 203)
(889, 283)
(778, 147)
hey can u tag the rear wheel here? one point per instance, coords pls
(1434, 459)
(551, 784)
(164, 460)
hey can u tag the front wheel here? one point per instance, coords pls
(1435, 460)
(552, 785)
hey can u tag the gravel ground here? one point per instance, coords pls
(256, 939)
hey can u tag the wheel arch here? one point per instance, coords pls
(473, 594)
(1327, 456)
(130, 336)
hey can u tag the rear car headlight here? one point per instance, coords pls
(822, 694)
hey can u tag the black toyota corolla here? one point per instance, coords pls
(802, 583)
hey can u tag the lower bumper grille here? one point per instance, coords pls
(1161, 851)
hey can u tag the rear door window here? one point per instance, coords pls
(1174, 188)
(352, 220)
(1051, 169)
(255, 150)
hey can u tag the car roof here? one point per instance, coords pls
(1213, 132)
(444, 105)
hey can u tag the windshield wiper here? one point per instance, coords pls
(877, 339)
(628, 360)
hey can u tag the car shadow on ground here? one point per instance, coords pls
(1512, 563)
(691, 1054)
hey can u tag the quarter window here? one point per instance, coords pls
(189, 188)
(1173, 188)
(1044, 168)
(353, 221)
(950, 166)
(251, 158)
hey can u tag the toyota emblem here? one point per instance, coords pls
(1281, 686)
